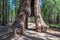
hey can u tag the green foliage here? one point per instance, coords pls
(7, 15)
(51, 11)
(55, 26)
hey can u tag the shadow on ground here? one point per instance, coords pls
(56, 35)
(30, 34)
(31, 38)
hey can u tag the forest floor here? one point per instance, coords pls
(30, 34)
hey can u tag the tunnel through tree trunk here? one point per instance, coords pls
(26, 8)
(32, 8)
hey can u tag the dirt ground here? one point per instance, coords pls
(31, 34)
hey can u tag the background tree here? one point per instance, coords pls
(50, 12)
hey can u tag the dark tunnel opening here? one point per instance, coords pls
(32, 8)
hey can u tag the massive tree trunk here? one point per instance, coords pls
(21, 18)
(25, 10)
(38, 18)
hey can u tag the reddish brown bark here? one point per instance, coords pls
(38, 18)
(23, 13)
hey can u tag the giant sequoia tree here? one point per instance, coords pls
(27, 8)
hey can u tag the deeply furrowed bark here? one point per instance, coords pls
(21, 18)
(25, 11)
(38, 18)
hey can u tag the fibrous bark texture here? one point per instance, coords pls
(27, 8)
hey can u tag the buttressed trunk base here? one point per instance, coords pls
(27, 8)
